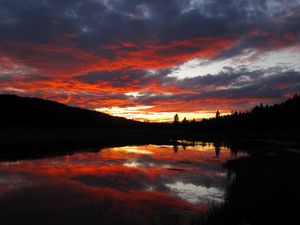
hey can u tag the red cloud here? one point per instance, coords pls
(68, 61)
(282, 42)
(152, 55)
(226, 104)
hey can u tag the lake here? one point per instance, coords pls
(150, 184)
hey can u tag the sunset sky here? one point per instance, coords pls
(150, 59)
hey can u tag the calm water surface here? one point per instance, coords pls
(151, 184)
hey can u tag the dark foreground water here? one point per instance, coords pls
(151, 184)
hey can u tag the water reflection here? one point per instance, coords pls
(124, 185)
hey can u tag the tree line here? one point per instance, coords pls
(279, 116)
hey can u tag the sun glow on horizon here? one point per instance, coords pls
(140, 113)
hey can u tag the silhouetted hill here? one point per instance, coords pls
(276, 117)
(33, 112)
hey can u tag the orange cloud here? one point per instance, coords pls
(152, 55)
(200, 104)
(68, 61)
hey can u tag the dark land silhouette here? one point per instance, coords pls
(28, 125)
(32, 127)
(33, 112)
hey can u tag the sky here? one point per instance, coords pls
(149, 59)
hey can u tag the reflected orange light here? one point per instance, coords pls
(124, 181)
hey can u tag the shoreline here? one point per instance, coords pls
(265, 189)
(23, 142)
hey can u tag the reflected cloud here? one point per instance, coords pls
(13, 182)
(132, 149)
(133, 164)
(128, 181)
(196, 193)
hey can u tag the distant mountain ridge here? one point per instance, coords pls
(32, 112)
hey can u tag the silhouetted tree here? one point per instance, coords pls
(175, 148)
(217, 146)
(184, 121)
(176, 119)
(217, 114)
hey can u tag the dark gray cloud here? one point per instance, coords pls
(98, 22)
(233, 84)
(119, 77)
